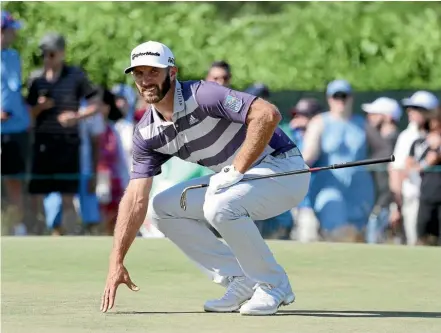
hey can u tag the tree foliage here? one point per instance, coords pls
(375, 45)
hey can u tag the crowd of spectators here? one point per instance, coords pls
(66, 154)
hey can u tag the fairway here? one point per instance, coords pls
(54, 285)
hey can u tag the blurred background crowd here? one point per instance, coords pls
(66, 142)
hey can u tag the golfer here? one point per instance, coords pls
(234, 134)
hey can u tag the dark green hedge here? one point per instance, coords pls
(375, 45)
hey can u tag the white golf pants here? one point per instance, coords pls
(231, 212)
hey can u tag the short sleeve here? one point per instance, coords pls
(85, 87)
(32, 97)
(222, 102)
(146, 162)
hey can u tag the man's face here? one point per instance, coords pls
(8, 36)
(299, 121)
(376, 119)
(340, 102)
(122, 104)
(153, 83)
(417, 115)
(53, 58)
(219, 75)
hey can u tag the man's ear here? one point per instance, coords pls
(173, 71)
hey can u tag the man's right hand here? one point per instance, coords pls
(45, 103)
(117, 275)
(5, 116)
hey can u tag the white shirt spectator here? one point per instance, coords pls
(411, 185)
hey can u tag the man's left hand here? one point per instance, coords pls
(68, 118)
(225, 178)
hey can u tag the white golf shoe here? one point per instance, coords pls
(267, 299)
(239, 290)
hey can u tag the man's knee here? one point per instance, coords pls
(219, 209)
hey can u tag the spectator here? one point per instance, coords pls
(15, 122)
(332, 137)
(406, 186)
(219, 72)
(113, 174)
(86, 201)
(54, 95)
(307, 225)
(125, 101)
(383, 115)
(425, 157)
(140, 108)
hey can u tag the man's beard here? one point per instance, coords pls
(157, 93)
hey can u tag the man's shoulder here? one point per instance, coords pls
(190, 87)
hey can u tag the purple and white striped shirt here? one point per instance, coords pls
(208, 128)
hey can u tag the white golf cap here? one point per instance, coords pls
(152, 54)
(384, 105)
(422, 99)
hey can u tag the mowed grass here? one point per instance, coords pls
(54, 285)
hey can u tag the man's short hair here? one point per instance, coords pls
(222, 64)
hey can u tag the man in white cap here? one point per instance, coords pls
(234, 134)
(383, 115)
(406, 189)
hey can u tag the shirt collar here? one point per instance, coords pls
(178, 106)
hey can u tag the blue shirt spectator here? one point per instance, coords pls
(18, 119)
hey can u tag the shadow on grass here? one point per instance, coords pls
(310, 313)
(360, 314)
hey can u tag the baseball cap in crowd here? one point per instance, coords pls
(259, 90)
(9, 22)
(308, 107)
(338, 86)
(151, 53)
(384, 105)
(421, 99)
(52, 42)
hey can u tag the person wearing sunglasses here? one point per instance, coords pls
(343, 198)
(55, 93)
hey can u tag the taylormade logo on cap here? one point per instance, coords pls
(136, 55)
(152, 54)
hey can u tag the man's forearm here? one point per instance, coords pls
(259, 133)
(132, 211)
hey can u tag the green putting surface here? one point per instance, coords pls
(54, 285)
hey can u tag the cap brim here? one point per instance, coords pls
(130, 69)
(367, 107)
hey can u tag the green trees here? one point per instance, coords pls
(375, 45)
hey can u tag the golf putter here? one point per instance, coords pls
(183, 201)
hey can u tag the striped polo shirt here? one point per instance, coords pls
(67, 92)
(208, 128)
